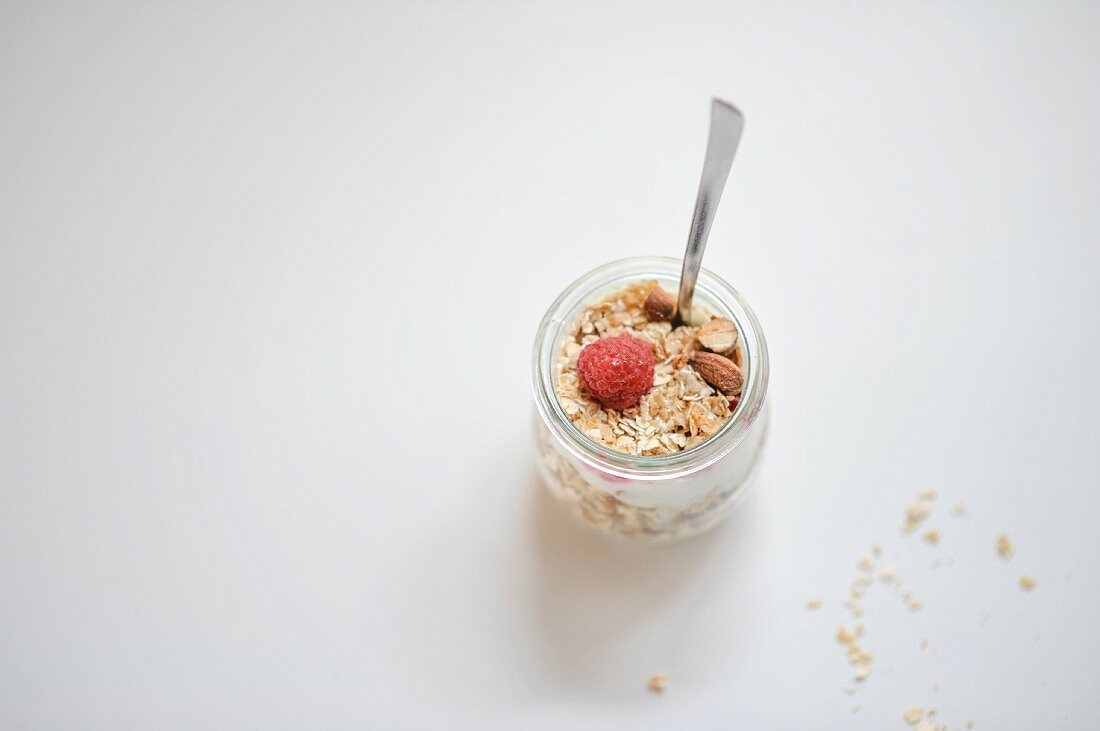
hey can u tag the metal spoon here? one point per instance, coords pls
(726, 124)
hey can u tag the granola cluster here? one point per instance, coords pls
(679, 412)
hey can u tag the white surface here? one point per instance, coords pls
(255, 473)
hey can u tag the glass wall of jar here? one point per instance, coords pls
(661, 497)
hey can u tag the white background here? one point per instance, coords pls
(269, 279)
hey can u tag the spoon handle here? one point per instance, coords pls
(726, 124)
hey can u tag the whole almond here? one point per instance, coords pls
(720, 372)
(719, 336)
(659, 305)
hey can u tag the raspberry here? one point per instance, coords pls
(617, 372)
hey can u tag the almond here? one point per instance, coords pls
(720, 372)
(659, 305)
(719, 336)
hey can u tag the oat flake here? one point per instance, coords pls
(658, 682)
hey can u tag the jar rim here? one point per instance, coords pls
(711, 290)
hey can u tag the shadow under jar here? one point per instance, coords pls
(650, 498)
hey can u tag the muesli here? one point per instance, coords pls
(679, 396)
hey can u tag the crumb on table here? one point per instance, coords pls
(658, 682)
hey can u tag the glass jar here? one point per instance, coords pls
(652, 498)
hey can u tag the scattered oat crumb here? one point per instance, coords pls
(1027, 583)
(813, 604)
(858, 656)
(918, 511)
(928, 725)
(869, 569)
(970, 724)
(914, 514)
(658, 682)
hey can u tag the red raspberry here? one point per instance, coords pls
(617, 372)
